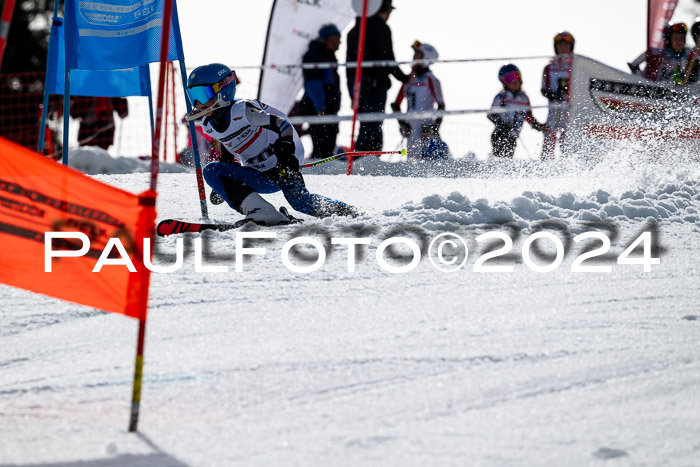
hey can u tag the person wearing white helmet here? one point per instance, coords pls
(423, 93)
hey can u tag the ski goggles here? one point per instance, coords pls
(564, 37)
(681, 28)
(511, 77)
(200, 94)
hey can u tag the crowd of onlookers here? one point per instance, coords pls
(422, 92)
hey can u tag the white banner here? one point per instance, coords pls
(293, 25)
(660, 13)
(608, 104)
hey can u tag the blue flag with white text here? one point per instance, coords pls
(116, 34)
(105, 83)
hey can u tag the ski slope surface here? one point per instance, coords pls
(267, 366)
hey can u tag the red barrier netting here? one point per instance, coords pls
(21, 98)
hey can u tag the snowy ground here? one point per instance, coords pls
(270, 367)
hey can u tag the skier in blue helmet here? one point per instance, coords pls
(260, 151)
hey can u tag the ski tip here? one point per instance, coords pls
(403, 152)
(165, 228)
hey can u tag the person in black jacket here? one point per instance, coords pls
(322, 90)
(375, 80)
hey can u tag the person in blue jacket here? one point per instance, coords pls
(322, 90)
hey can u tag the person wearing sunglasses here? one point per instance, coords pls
(667, 65)
(513, 110)
(260, 151)
(555, 87)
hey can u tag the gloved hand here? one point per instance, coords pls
(430, 131)
(541, 127)
(284, 149)
(395, 107)
(633, 68)
(404, 128)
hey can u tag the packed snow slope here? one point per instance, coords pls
(272, 367)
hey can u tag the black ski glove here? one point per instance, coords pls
(541, 127)
(284, 150)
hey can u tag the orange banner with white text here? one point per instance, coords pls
(84, 216)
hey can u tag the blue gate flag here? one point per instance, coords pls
(104, 83)
(115, 34)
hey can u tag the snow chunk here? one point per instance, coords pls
(602, 196)
(634, 211)
(525, 207)
(632, 195)
(93, 160)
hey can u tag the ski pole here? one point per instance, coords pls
(353, 154)
(525, 147)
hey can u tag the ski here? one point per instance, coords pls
(173, 226)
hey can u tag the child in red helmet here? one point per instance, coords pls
(509, 122)
(667, 65)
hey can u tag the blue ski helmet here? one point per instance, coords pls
(508, 73)
(214, 80)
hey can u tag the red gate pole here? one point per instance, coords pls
(155, 168)
(358, 79)
(5, 25)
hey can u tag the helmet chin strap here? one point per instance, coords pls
(220, 101)
(197, 114)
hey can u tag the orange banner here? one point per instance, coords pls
(38, 196)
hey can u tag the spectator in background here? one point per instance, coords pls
(509, 123)
(694, 59)
(375, 81)
(555, 87)
(322, 90)
(423, 93)
(96, 115)
(667, 65)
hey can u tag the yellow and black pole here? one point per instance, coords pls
(138, 377)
